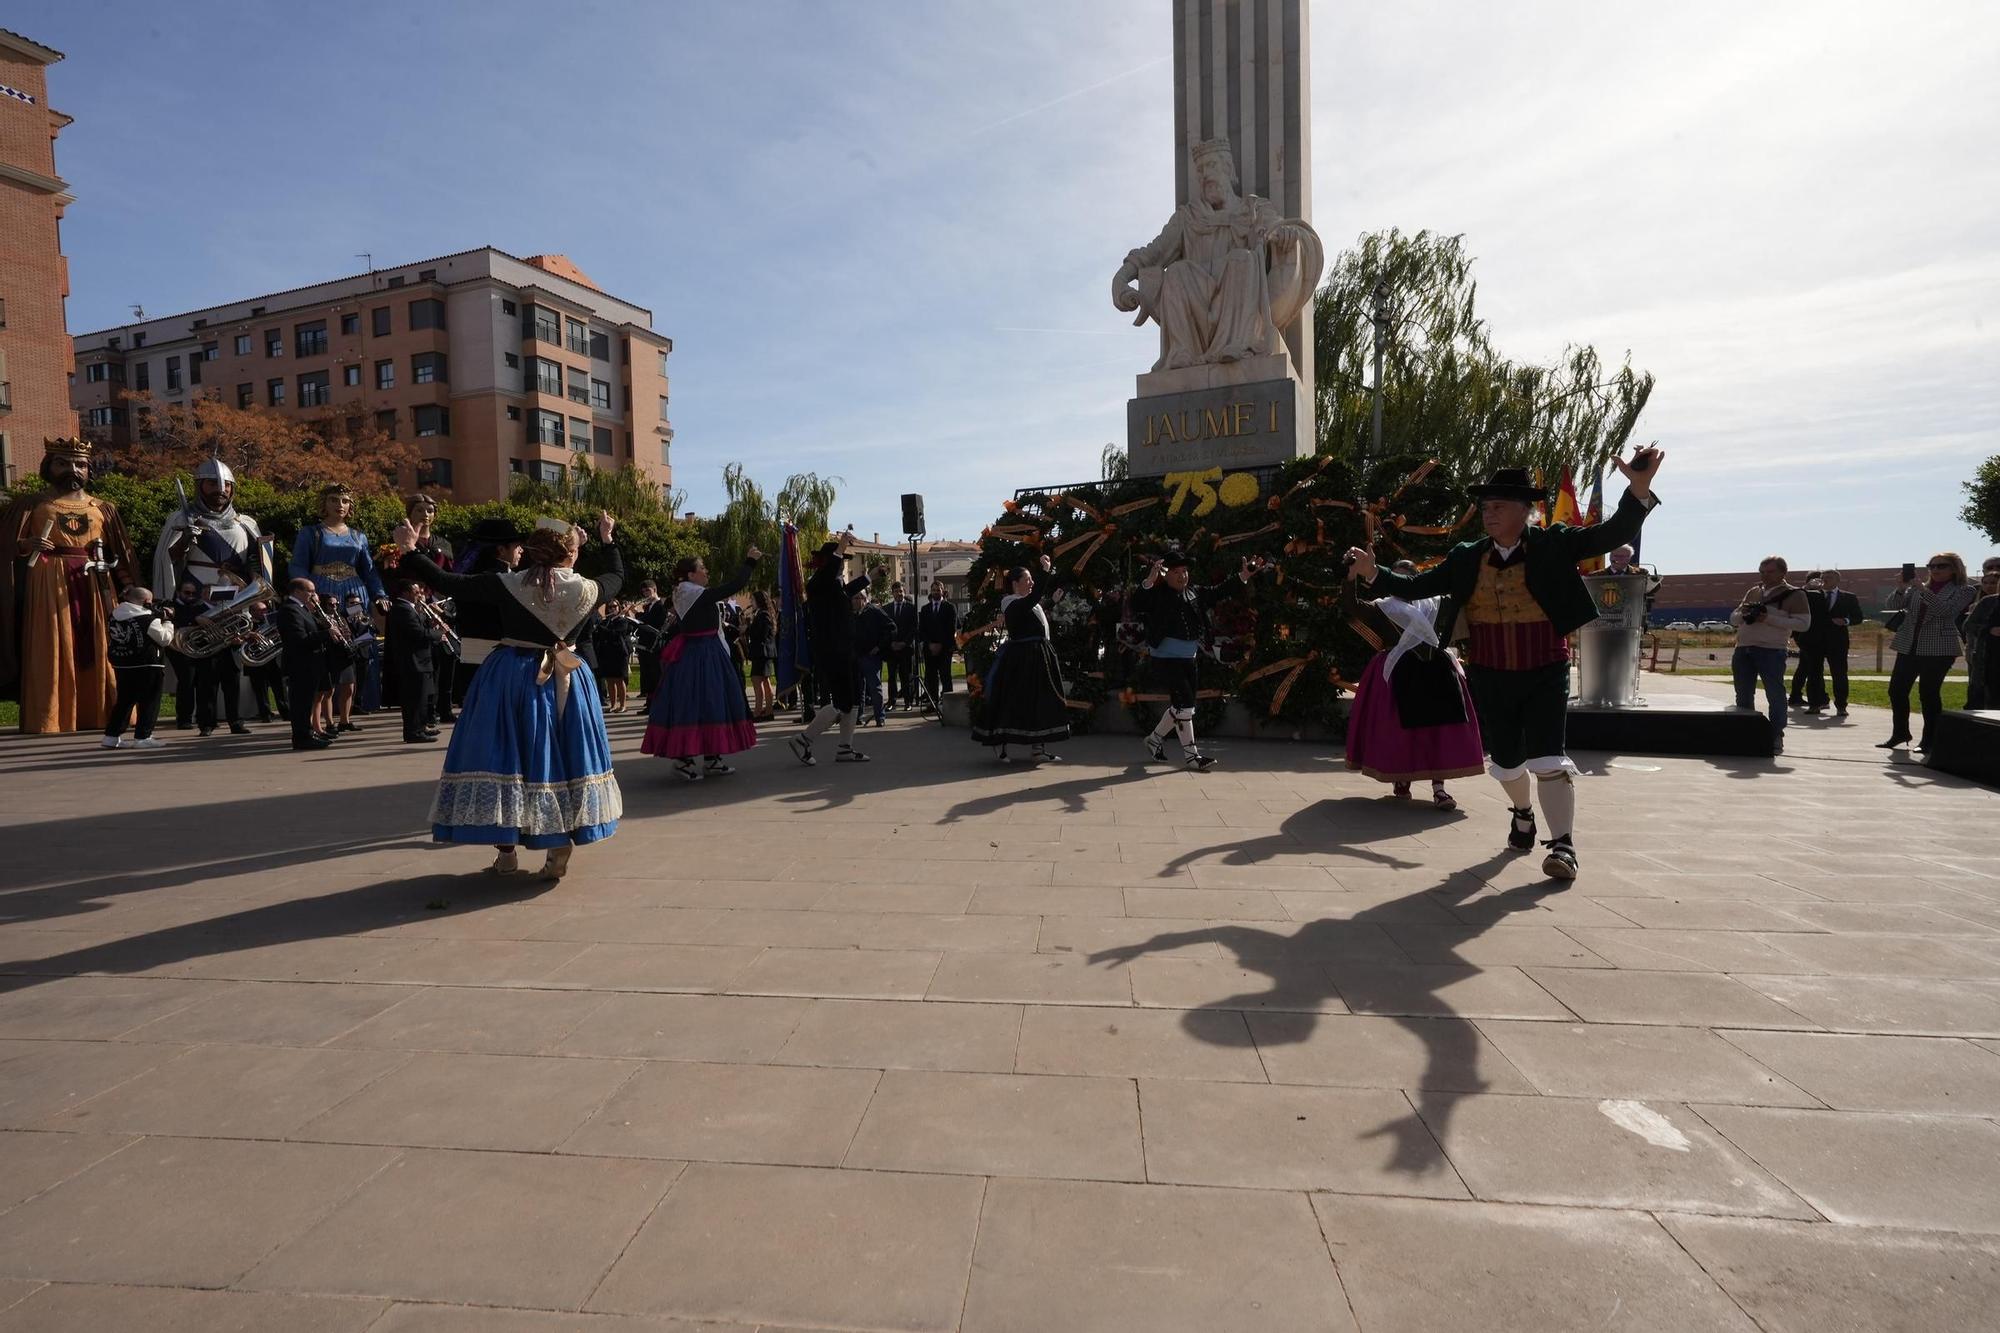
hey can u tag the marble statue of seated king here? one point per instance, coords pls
(1224, 275)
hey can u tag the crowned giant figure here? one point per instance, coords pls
(67, 559)
(208, 542)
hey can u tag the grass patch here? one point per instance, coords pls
(1861, 693)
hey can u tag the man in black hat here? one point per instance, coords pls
(1176, 621)
(830, 631)
(497, 543)
(1522, 597)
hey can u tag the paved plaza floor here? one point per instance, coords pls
(932, 1044)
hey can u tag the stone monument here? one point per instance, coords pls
(1230, 278)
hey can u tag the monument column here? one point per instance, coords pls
(1241, 73)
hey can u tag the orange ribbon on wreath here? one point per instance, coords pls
(1292, 666)
(1096, 541)
(1134, 506)
(1249, 536)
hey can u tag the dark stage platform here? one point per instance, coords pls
(1967, 744)
(1670, 724)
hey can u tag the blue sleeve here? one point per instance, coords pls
(364, 565)
(302, 563)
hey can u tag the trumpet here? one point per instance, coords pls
(435, 613)
(232, 625)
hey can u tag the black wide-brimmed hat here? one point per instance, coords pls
(496, 532)
(1173, 558)
(1511, 483)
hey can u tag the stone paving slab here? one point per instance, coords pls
(939, 1045)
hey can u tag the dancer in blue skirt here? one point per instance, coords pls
(529, 763)
(698, 711)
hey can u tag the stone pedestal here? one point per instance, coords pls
(1207, 416)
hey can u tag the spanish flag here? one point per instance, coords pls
(1566, 508)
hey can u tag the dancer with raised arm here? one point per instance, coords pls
(1024, 693)
(698, 711)
(1523, 595)
(529, 763)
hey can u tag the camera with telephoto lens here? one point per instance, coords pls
(1752, 613)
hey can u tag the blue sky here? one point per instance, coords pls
(881, 234)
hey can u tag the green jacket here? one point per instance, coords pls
(1552, 555)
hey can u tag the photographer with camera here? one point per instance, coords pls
(1770, 612)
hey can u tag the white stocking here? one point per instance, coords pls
(1517, 792)
(1558, 795)
(1184, 728)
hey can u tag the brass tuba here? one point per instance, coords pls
(231, 625)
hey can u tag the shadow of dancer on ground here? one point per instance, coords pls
(347, 913)
(1354, 960)
(1337, 826)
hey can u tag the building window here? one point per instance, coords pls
(663, 407)
(385, 421)
(246, 394)
(549, 429)
(314, 390)
(513, 362)
(428, 275)
(194, 368)
(138, 341)
(97, 372)
(542, 325)
(663, 365)
(351, 376)
(354, 425)
(600, 395)
(385, 374)
(427, 313)
(579, 434)
(209, 351)
(509, 308)
(274, 392)
(513, 413)
(514, 466)
(398, 280)
(142, 376)
(274, 342)
(600, 346)
(427, 368)
(579, 386)
(544, 377)
(351, 322)
(97, 417)
(434, 472)
(666, 453)
(548, 473)
(600, 440)
(310, 339)
(173, 374)
(579, 336)
(380, 324)
(242, 344)
(431, 419)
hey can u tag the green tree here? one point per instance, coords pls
(1447, 393)
(1113, 464)
(1982, 505)
(752, 517)
(625, 491)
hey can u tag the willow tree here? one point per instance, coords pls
(752, 517)
(1446, 391)
(624, 491)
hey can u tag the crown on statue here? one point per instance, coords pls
(71, 447)
(1208, 148)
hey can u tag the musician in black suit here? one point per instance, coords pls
(303, 633)
(411, 656)
(937, 631)
(1843, 609)
(902, 654)
(1809, 677)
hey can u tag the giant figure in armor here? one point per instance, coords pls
(64, 558)
(208, 543)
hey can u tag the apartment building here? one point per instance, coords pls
(950, 561)
(496, 366)
(34, 276)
